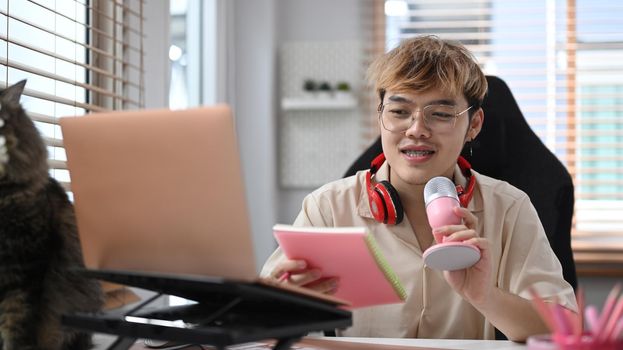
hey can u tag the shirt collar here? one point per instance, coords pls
(363, 207)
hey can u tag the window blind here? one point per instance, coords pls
(563, 60)
(78, 57)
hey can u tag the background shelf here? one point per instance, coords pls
(309, 103)
(318, 133)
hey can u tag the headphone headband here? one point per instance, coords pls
(464, 166)
(377, 162)
(465, 195)
(384, 200)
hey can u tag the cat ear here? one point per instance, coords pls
(14, 92)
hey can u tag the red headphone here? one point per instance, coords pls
(384, 200)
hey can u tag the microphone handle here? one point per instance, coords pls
(440, 212)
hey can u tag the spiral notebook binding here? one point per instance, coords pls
(385, 267)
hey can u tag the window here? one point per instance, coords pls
(178, 55)
(193, 52)
(189, 24)
(78, 57)
(563, 60)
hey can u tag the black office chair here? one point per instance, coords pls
(508, 149)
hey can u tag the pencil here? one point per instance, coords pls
(579, 326)
(613, 319)
(607, 310)
(543, 309)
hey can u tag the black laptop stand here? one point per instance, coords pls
(225, 313)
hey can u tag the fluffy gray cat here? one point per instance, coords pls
(39, 245)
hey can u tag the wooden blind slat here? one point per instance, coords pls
(112, 19)
(65, 101)
(53, 142)
(38, 117)
(57, 164)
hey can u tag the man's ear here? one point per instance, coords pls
(475, 124)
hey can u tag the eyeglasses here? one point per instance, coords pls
(399, 117)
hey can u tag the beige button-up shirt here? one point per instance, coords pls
(521, 256)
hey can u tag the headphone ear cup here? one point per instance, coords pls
(395, 213)
(377, 205)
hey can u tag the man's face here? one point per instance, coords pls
(432, 141)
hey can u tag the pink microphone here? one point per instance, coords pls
(440, 197)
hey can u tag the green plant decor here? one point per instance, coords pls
(343, 86)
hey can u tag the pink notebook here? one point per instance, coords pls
(351, 254)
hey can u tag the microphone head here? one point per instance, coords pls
(437, 187)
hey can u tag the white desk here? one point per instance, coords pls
(102, 342)
(440, 343)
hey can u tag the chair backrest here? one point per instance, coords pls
(508, 149)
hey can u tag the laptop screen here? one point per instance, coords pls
(160, 191)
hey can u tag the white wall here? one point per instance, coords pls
(314, 20)
(319, 20)
(256, 29)
(252, 67)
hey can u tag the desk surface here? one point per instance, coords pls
(344, 343)
(462, 344)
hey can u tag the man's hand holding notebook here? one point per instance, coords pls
(349, 253)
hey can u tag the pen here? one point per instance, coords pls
(284, 277)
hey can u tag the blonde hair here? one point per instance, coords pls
(424, 63)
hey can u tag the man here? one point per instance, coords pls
(430, 92)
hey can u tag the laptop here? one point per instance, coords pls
(160, 191)
(160, 204)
